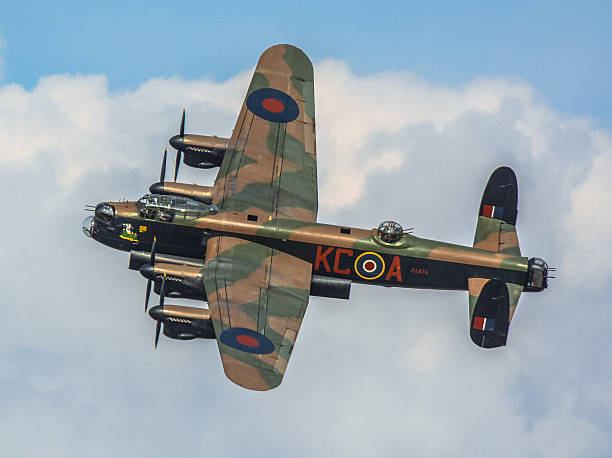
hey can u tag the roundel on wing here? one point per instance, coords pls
(273, 105)
(369, 265)
(247, 340)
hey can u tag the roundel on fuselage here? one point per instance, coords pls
(369, 265)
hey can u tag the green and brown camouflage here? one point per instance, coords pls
(253, 245)
(269, 169)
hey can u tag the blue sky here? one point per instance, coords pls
(416, 105)
(562, 49)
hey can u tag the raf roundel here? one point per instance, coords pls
(247, 340)
(273, 105)
(369, 265)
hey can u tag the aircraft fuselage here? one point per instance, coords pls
(355, 254)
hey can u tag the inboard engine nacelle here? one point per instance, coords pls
(183, 276)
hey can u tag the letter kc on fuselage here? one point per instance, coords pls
(251, 246)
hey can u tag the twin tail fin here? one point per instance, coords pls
(496, 227)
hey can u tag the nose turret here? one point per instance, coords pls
(88, 226)
(104, 212)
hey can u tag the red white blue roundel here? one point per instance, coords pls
(247, 340)
(273, 105)
(369, 265)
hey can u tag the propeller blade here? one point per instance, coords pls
(157, 329)
(162, 175)
(147, 295)
(182, 129)
(162, 291)
(177, 163)
(153, 251)
(179, 152)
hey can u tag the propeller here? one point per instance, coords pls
(153, 250)
(162, 295)
(179, 152)
(157, 330)
(162, 291)
(162, 175)
(149, 281)
(148, 295)
(157, 313)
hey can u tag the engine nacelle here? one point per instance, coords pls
(184, 323)
(193, 191)
(180, 288)
(201, 151)
(183, 276)
(140, 258)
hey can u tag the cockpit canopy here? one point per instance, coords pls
(169, 208)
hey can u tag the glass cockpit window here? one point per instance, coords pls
(171, 208)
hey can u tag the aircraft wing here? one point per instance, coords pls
(269, 168)
(257, 297)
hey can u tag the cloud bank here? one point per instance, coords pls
(389, 373)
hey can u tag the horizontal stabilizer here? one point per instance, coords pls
(490, 318)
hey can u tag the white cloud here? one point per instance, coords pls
(589, 223)
(391, 372)
(84, 127)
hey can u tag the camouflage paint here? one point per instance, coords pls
(262, 246)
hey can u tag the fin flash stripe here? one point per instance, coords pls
(484, 324)
(492, 211)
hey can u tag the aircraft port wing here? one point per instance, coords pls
(257, 297)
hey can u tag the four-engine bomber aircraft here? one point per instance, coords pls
(250, 245)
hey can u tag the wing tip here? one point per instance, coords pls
(294, 57)
(248, 376)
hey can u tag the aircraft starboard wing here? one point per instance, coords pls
(269, 168)
(257, 297)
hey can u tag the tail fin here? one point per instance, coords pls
(495, 230)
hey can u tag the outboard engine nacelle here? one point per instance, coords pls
(182, 323)
(537, 275)
(200, 151)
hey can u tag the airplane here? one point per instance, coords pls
(251, 246)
